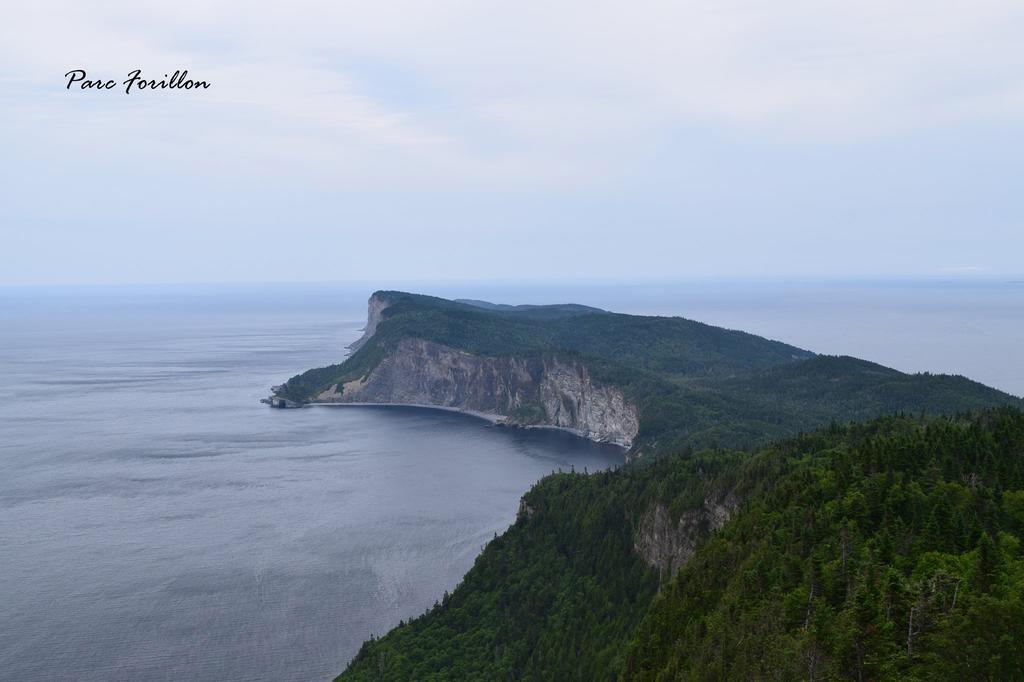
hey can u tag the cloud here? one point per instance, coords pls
(574, 139)
(512, 94)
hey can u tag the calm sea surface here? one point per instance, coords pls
(158, 523)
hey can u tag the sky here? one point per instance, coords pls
(527, 141)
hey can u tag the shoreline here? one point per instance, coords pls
(496, 419)
(492, 418)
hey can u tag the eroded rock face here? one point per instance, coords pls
(541, 391)
(374, 315)
(572, 400)
(666, 546)
(525, 512)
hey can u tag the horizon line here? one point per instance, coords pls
(386, 283)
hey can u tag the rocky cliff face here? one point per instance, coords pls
(525, 390)
(665, 545)
(374, 315)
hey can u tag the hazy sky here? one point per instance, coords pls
(418, 140)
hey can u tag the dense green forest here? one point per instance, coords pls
(884, 550)
(693, 384)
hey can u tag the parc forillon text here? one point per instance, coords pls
(179, 80)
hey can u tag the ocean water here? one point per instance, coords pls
(158, 523)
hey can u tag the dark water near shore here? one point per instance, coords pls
(157, 523)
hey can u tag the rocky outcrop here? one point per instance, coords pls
(374, 315)
(665, 545)
(548, 390)
(570, 399)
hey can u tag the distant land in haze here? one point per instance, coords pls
(648, 383)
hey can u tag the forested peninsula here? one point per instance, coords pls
(652, 384)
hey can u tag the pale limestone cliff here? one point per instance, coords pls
(540, 391)
(374, 315)
(665, 545)
(548, 391)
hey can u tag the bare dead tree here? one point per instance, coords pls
(910, 633)
(810, 606)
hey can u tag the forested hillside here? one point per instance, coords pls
(664, 347)
(885, 550)
(693, 384)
